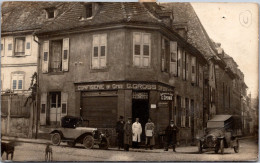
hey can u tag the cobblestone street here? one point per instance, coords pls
(35, 152)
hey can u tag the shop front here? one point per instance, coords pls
(103, 102)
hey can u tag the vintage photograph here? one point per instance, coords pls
(129, 81)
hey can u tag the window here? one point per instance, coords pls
(99, 53)
(183, 112)
(19, 46)
(187, 106)
(173, 58)
(55, 55)
(179, 52)
(17, 81)
(187, 66)
(88, 10)
(50, 13)
(43, 108)
(55, 101)
(10, 46)
(2, 47)
(165, 55)
(184, 65)
(141, 49)
(193, 69)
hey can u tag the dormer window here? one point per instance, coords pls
(88, 10)
(50, 13)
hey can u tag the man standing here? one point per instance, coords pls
(120, 132)
(171, 136)
(149, 133)
(128, 134)
(137, 131)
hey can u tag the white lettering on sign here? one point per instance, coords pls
(166, 96)
(141, 86)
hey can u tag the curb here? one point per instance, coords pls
(24, 140)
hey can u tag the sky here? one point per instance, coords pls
(235, 26)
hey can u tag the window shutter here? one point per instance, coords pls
(179, 61)
(43, 108)
(173, 59)
(103, 50)
(187, 65)
(163, 55)
(65, 54)
(28, 44)
(95, 52)
(9, 46)
(183, 65)
(193, 69)
(146, 50)
(137, 49)
(200, 76)
(2, 47)
(45, 57)
(64, 104)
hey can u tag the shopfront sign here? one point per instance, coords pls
(166, 96)
(123, 85)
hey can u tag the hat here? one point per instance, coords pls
(121, 117)
(172, 121)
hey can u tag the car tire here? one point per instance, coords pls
(199, 147)
(104, 144)
(236, 148)
(222, 146)
(88, 142)
(56, 139)
(71, 143)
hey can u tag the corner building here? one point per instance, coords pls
(103, 60)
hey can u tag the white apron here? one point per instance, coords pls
(137, 131)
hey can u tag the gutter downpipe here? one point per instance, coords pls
(37, 88)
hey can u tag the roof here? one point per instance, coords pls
(218, 118)
(196, 34)
(107, 13)
(22, 16)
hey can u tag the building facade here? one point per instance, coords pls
(120, 68)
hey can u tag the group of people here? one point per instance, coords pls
(129, 134)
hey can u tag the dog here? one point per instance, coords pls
(48, 152)
(8, 148)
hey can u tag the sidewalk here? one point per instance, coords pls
(26, 140)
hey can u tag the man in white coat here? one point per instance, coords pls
(137, 131)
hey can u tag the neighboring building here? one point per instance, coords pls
(19, 54)
(120, 59)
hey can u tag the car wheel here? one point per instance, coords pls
(104, 144)
(88, 142)
(222, 146)
(71, 143)
(56, 139)
(236, 148)
(199, 147)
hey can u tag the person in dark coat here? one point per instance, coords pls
(171, 136)
(128, 134)
(120, 132)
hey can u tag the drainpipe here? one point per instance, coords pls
(37, 88)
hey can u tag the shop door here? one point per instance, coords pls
(101, 112)
(55, 108)
(140, 109)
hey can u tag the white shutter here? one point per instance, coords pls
(146, 46)
(137, 48)
(179, 61)
(173, 59)
(95, 48)
(28, 45)
(103, 51)
(183, 64)
(9, 46)
(193, 69)
(187, 65)
(65, 54)
(163, 55)
(43, 109)
(64, 104)
(2, 47)
(45, 57)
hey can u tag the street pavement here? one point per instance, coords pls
(27, 151)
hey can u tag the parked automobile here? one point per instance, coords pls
(220, 133)
(74, 130)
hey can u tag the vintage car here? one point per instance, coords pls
(73, 130)
(220, 133)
